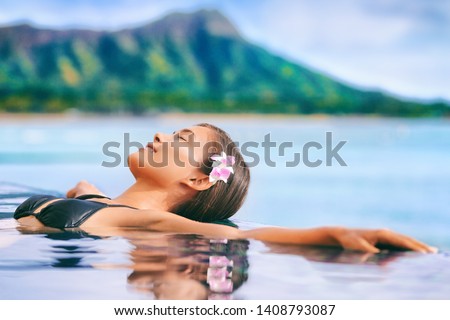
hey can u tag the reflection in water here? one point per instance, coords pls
(338, 255)
(70, 255)
(180, 266)
(189, 267)
(176, 266)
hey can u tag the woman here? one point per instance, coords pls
(184, 180)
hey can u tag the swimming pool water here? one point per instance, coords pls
(397, 174)
(139, 264)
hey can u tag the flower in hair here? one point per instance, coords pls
(223, 159)
(222, 167)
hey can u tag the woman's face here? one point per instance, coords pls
(172, 158)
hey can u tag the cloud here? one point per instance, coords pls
(397, 45)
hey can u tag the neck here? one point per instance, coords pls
(144, 196)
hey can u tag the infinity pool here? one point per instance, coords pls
(138, 264)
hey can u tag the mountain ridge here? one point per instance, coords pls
(190, 61)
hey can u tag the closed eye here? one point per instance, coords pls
(184, 134)
(180, 137)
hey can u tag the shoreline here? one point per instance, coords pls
(5, 116)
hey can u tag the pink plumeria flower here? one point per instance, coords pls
(223, 159)
(218, 173)
(222, 167)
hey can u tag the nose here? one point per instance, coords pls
(161, 137)
(157, 137)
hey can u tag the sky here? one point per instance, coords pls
(398, 46)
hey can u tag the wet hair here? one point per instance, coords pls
(222, 200)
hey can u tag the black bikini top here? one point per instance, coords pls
(64, 213)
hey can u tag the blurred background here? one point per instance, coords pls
(388, 57)
(75, 75)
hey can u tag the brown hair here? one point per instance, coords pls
(222, 200)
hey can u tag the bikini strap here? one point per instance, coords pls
(121, 205)
(91, 196)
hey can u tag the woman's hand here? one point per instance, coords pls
(366, 240)
(353, 239)
(83, 187)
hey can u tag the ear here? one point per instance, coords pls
(198, 183)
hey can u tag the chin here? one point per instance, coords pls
(133, 162)
(138, 166)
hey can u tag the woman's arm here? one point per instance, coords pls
(353, 239)
(81, 188)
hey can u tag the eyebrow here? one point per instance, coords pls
(185, 131)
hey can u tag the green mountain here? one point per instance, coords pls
(191, 62)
